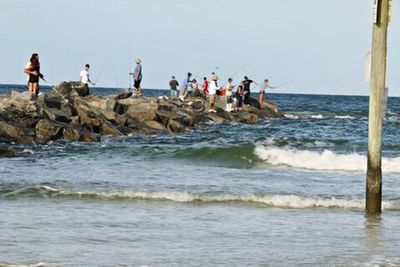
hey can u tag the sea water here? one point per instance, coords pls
(284, 192)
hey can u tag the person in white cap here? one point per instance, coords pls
(137, 77)
(212, 90)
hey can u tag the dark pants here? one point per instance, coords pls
(82, 89)
(137, 84)
(247, 97)
(239, 100)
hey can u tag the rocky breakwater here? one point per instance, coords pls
(63, 114)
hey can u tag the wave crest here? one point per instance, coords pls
(325, 160)
(269, 200)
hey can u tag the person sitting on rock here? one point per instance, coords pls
(195, 86)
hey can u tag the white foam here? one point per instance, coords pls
(30, 151)
(326, 160)
(345, 117)
(40, 264)
(319, 116)
(272, 200)
(291, 116)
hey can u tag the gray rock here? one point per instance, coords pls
(13, 133)
(46, 131)
(7, 152)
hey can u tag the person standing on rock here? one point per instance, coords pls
(83, 89)
(239, 96)
(246, 89)
(184, 87)
(173, 84)
(261, 95)
(205, 86)
(32, 70)
(212, 91)
(137, 77)
(229, 91)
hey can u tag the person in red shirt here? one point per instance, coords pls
(205, 86)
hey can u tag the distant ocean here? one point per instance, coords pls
(283, 192)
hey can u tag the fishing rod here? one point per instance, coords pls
(100, 72)
(283, 84)
(130, 68)
(114, 73)
(41, 77)
(239, 70)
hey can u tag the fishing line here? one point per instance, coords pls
(114, 73)
(130, 68)
(99, 74)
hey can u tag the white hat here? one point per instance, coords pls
(138, 60)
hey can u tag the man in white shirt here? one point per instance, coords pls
(83, 90)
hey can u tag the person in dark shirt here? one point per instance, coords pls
(173, 84)
(32, 69)
(246, 89)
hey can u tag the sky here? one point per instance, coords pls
(318, 46)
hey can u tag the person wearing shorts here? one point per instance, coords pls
(212, 91)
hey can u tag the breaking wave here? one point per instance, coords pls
(270, 200)
(326, 160)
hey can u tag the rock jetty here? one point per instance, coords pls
(63, 114)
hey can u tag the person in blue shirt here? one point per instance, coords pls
(137, 77)
(184, 87)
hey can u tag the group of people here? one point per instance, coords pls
(210, 89)
(33, 74)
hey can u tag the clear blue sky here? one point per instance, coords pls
(319, 45)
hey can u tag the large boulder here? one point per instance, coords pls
(103, 104)
(18, 105)
(215, 118)
(180, 115)
(175, 126)
(13, 133)
(246, 117)
(56, 115)
(76, 134)
(142, 110)
(66, 89)
(108, 129)
(7, 152)
(46, 131)
(155, 126)
(20, 95)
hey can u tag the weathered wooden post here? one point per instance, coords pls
(378, 77)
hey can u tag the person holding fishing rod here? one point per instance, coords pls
(137, 77)
(261, 94)
(32, 70)
(83, 90)
(246, 89)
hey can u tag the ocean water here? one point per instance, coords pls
(284, 192)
